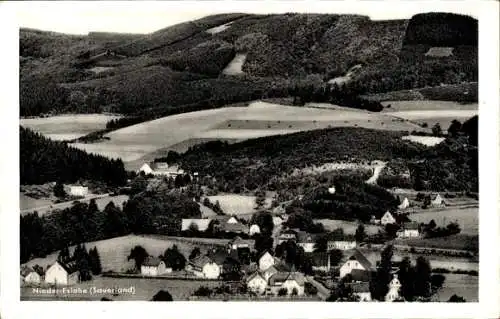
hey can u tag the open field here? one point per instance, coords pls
(145, 289)
(467, 218)
(462, 285)
(258, 119)
(458, 242)
(66, 127)
(233, 204)
(43, 206)
(447, 106)
(235, 66)
(114, 251)
(425, 140)
(349, 227)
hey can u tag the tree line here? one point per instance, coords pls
(44, 160)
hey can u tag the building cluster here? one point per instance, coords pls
(59, 273)
(160, 169)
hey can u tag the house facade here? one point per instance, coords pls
(76, 190)
(288, 281)
(437, 201)
(341, 244)
(33, 277)
(305, 241)
(266, 260)
(153, 266)
(404, 204)
(256, 283)
(362, 291)
(205, 267)
(254, 229)
(387, 219)
(237, 242)
(356, 261)
(409, 230)
(394, 287)
(62, 274)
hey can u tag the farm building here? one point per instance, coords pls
(204, 267)
(76, 190)
(254, 229)
(62, 274)
(306, 241)
(31, 275)
(256, 283)
(356, 261)
(404, 204)
(289, 281)
(341, 244)
(437, 201)
(361, 290)
(199, 223)
(321, 261)
(394, 287)
(387, 219)
(409, 230)
(153, 266)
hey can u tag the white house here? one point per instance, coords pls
(437, 201)
(254, 229)
(205, 267)
(288, 281)
(356, 261)
(404, 204)
(76, 190)
(256, 283)
(232, 220)
(266, 260)
(387, 219)
(409, 230)
(153, 266)
(394, 287)
(32, 276)
(341, 244)
(200, 223)
(146, 169)
(62, 274)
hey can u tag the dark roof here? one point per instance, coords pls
(357, 255)
(25, 271)
(360, 275)
(200, 261)
(218, 255)
(237, 240)
(249, 268)
(70, 267)
(304, 237)
(359, 287)
(237, 227)
(253, 275)
(284, 276)
(152, 261)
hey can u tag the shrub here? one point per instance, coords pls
(282, 292)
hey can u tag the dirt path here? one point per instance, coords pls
(379, 166)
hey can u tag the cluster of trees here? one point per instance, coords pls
(88, 263)
(215, 207)
(44, 160)
(302, 219)
(172, 257)
(430, 230)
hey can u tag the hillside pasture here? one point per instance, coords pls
(233, 204)
(462, 285)
(232, 123)
(114, 251)
(348, 226)
(67, 127)
(467, 218)
(425, 140)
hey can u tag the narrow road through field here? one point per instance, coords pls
(379, 166)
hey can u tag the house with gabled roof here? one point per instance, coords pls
(237, 242)
(287, 280)
(256, 282)
(266, 260)
(387, 219)
(409, 230)
(361, 290)
(154, 266)
(437, 201)
(356, 261)
(254, 229)
(306, 241)
(32, 275)
(404, 204)
(204, 267)
(346, 244)
(62, 274)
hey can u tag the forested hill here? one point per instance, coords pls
(44, 160)
(184, 64)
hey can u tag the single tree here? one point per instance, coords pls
(59, 191)
(194, 253)
(454, 128)
(64, 256)
(456, 298)
(360, 233)
(95, 261)
(139, 255)
(162, 295)
(436, 130)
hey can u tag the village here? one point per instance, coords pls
(294, 264)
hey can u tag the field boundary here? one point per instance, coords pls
(165, 277)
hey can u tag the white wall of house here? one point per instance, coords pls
(211, 270)
(56, 274)
(308, 247)
(254, 229)
(290, 284)
(232, 220)
(341, 245)
(257, 284)
(348, 266)
(364, 296)
(266, 261)
(78, 190)
(408, 233)
(387, 219)
(155, 270)
(33, 278)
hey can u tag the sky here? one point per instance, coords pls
(80, 17)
